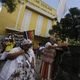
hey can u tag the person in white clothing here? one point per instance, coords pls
(20, 63)
(30, 52)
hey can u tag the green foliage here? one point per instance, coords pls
(69, 25)
(10, 5)
(74, 11)
(74, 42)
(53, 30)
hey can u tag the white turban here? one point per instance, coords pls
(48, 44)
(26, 41)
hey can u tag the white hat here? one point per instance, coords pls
(10, 37)
(6, 38)
(48, 44)
(26, 41)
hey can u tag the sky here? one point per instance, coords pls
(70, 3)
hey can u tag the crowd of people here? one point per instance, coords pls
(21, 60)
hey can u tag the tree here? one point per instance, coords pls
(69, 26)
(11, 4)
(71, 23)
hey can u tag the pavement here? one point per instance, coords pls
(37, 69)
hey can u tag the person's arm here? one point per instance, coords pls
(59, 47)
(14, 55)
(54, 47)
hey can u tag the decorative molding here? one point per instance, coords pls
(39, 10)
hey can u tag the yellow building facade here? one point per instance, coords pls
(34, 15)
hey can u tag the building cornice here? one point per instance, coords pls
(39, 10)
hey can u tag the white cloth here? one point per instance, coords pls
(3, 55)
(16, 49)
(55, 44)
(61, 9)
(8, 69)
(48, 44)
(26, 41)
(10, 65)
(41, 48)
(32, 55)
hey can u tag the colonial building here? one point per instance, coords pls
(35, 15)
